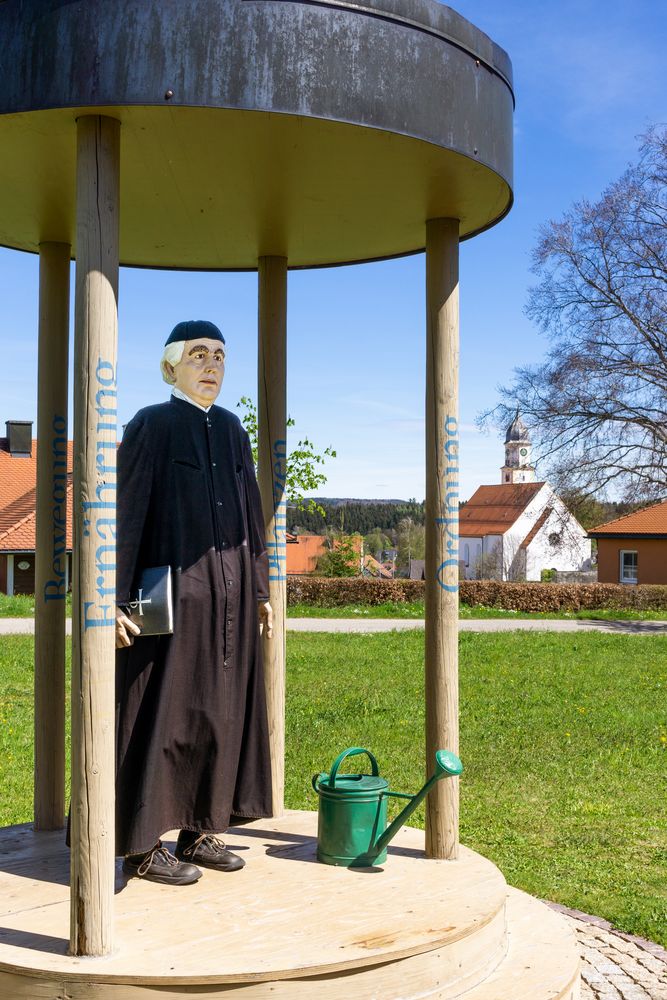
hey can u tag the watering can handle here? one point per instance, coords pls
(351, 752)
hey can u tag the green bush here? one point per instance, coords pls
(334, 593)
(562, 596)
(323, 592)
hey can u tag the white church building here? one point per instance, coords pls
(520, 527)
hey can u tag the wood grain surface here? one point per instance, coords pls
(442, 499)
(94, 576)
(51, 551)
(272, 435)
(283, 916)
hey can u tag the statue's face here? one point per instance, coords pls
(200, 371)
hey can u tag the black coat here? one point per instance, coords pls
(192, 737)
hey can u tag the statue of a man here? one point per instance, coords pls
(192, 736)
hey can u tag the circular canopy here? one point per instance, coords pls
(322, 132)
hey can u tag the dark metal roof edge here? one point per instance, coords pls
(108, 110)
(385, 15)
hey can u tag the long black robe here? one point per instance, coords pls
(192, 736)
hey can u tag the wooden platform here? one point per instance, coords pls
(286, 927)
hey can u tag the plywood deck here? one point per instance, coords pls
(284, 915)
(286, 928)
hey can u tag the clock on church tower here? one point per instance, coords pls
(518, 448)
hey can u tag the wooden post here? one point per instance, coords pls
(94, 571)
(272, 435)
(442, 527)
(51, 555)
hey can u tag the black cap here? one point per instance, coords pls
(194, 329)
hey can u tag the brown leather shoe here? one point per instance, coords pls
(208, 851)
(159, 865)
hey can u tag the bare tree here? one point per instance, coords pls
(410, 541)
(487, 566)
(598, 404)
(504, 561)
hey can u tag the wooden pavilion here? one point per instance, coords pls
(264, 135)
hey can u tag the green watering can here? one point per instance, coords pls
(352, 819)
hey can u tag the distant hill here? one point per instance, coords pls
(339, 501)
(352, 515)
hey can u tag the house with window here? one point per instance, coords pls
(517, 529)
(18, 481)
(302, 552)
(633, 548)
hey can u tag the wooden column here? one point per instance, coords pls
(272, 435)
(51, 554)
(94, 571)
(442, 533)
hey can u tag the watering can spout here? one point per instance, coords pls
(447, 765)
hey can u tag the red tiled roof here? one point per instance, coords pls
(376, 568)
(20, 537)
(17, 510)
(492, 510)
(648, 521)
(18, 477)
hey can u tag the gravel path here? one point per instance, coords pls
(25, 626)
(479, 625)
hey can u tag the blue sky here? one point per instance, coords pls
(589, 78)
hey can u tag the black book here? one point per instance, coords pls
(151, 605)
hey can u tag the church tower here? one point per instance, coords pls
(518, 448)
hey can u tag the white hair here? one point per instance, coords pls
(171, 356)
(173, 353)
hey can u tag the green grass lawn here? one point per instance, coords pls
(23, 606)
(563, 739)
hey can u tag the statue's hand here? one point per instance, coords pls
(266, 618)
(125, 629)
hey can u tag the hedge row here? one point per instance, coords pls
(562, 596)
(326, 592)
(333, 592)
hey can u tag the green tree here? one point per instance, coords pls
(376, 542)
(341, 557)
(362, 517)
(588, 511)
(303, 472)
